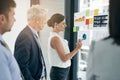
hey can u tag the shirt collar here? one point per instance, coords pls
(33, 30)
(1, 39)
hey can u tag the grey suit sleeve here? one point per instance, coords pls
(90, 68)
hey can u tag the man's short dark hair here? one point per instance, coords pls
(5, 6)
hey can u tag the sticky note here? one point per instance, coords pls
(87, 22)
(75, 28)
(91, 20)
(88, 12)
(96, 12)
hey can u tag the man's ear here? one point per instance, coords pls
(2, 18)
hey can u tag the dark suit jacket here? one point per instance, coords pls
(28, 55)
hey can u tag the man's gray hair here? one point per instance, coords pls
(35, 11)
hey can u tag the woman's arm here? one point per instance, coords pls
(57, 45)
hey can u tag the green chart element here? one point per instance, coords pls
(75, 28)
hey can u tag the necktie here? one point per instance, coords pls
(5, 45)
(43, 63)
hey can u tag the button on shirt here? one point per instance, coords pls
(9, 69)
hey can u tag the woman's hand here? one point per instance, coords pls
(79, 44)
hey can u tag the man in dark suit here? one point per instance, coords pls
(27, 47)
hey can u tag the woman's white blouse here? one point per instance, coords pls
(54, 58)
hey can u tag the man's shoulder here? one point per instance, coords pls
(4, 53)
(25, 33)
